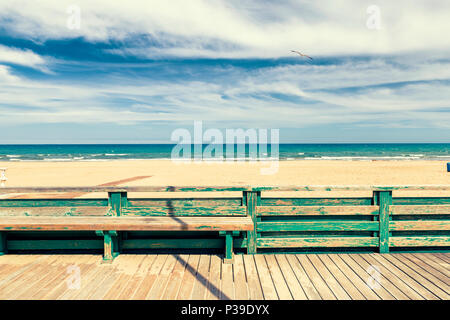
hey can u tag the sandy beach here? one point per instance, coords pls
(166, 172)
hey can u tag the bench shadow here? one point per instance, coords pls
(205, 282)
(171, 211)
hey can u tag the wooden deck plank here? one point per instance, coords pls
(160, 283)
(85, 275)
(302, 277)
(329, 279)
(254, 285)
(202, 277)
(324, 291)
(268, 288)
(356, 278)
(291, 280)
(405, 277)
(33, 281)
(442, 269)
(53, 270)
(433, 275)
(134, 282)
(126, 267)
(278, 279)
(174, 283)
(149, 279)
(443, 264)
(214, 283)
(240, 279)
(393, 278)
(15, 265)
(25, 279)
(340, 277)
(416, 275)
(227, 282)
(214, 289)
(60, 286)
(367, 278)
(444, 256)
(383, 279)
(189, 278)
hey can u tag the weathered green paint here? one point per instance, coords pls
(316, 210)
(420, 200)
(221, 188)
(185, 211)
(73, 244)
(318, 242)
(111, 246)
(419, 225)
(420, 209)
(318, 226)
(316, 201)
(3, 243)
(32, 203)
(385, 200)
(184, 202)
(279, 222)
(115, 202)
(54, 211)
(441, 241)
(191, 243)
(252, 201)
(228, 247)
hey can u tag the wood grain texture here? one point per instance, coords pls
(436, 208)
(126, 224)
(316, 210)
(86, 189)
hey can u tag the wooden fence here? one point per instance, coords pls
(281, 224)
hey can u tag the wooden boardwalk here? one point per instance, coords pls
(276, 276)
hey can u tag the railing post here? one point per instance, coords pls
(117, 200)
(113, 239)
(384, 199)
(251, 200)
(3, 243)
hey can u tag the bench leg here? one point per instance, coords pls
(111, 245)
(229, 255)
(3, 244)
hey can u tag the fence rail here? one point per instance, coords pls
(378, 223)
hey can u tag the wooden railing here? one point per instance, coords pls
(379, 222)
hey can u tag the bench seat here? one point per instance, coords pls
(108, 227)
(126, 223)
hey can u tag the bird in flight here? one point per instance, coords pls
(301, 54)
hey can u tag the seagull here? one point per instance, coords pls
(301, 54)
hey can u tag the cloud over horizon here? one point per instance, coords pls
(226, 63)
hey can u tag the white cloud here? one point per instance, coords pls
(234, 29)
(314, 95)
(22, 57)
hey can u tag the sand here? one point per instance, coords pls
(166, 172)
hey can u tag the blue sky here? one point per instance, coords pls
(137, 70)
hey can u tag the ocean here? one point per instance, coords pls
(102, 152)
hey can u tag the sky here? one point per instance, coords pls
(98, 71)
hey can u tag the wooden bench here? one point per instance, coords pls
(249, 221)
(109, 226)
